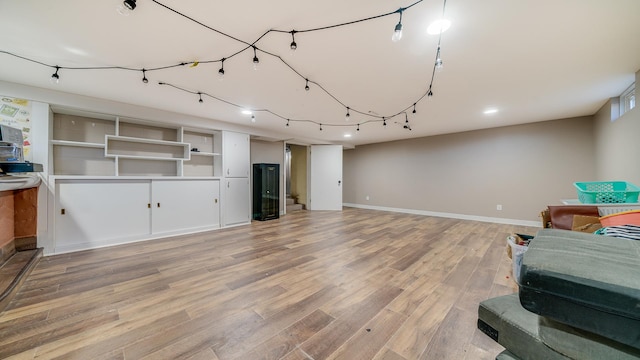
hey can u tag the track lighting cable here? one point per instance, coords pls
(293, 45)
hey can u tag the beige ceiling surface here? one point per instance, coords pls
(531, 60)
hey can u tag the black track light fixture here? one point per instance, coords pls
(129, 4)
(293, 45)
(126, 7)
(406, 122)
(221, 71)
(55, 78)
(256, 61)
(348, 115)
(306, 86)
(144, 77)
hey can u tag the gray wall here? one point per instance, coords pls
(618, 143)
(524, 168)
(272, 153)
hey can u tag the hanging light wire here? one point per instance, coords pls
(252, 45)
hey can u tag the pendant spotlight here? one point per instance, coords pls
(438, 60)
(200, 95)
(126, 7)
(347, 117)
(55, 78)
(397, 32)
(221, 71)
(293, 45)
(144, 76)
(406, 122)
(414, 108)
(306, 86)
(256, 61)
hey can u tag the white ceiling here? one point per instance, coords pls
(534, 60)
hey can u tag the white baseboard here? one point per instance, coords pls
(449, 215)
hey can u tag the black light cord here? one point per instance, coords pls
(288, 120)
(255, 49)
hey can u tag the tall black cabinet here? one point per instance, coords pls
(266, 191)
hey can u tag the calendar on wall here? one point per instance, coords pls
(16, 113)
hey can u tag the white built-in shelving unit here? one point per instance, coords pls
(118, 180)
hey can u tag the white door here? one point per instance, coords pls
(94, 213)
(325, 180)
(237, 201)
(184, 205)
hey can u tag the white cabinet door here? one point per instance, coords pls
(95, 213)
(237, 201)
(326, 177)
(236, 154)
(180, 205)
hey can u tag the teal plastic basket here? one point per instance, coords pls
(607, 192)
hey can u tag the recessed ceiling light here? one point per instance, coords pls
(247, 112)
(347, 135)
(76, 51)
(438, 26)
(490, 111)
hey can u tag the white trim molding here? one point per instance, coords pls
(449, 215)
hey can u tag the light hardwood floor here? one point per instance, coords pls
(356, 284)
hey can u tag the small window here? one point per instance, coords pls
(628, 99)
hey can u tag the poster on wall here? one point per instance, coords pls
(17, 114)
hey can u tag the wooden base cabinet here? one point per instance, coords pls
(97, 213)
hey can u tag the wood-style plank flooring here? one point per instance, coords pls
(356, 284)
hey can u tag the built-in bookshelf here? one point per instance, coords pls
(104, 145)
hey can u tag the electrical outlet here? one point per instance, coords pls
(367, 197)
(499, 207)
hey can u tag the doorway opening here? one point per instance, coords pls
(296, 177)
